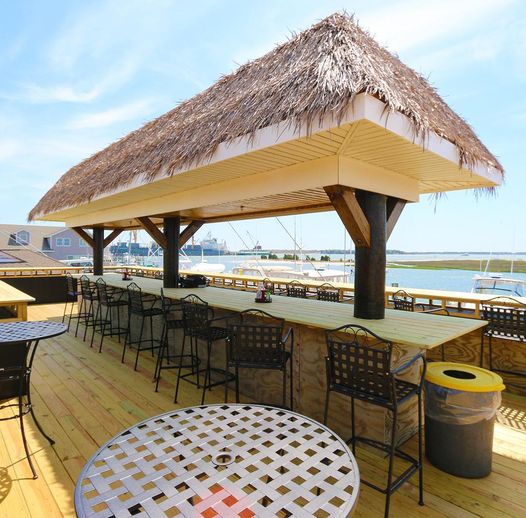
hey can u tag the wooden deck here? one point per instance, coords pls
(84, 398)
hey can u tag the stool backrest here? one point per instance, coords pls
(71, 284)
(297, 290)
(403, 301)
(196, 313)
(328, 292)
(256, 338)
(172, 309)
(102, 291)
(505, 321)
(136, 305)
(87, 289)
(359, 364)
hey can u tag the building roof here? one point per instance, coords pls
(318, 74)
(37, 232)
(22, 258)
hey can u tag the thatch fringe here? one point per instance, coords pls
(317, 72)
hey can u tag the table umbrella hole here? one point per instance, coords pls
(461, 375)
(223, 458)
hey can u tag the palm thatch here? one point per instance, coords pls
(317, 72)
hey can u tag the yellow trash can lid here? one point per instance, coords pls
(460, 376)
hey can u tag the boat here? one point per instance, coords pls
(496, 284)
(256, 269)
(255, 250)
(206, 267)
(208, 246)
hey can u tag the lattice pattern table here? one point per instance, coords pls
(13, 332)
(221, 460)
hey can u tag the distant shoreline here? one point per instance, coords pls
(495, 265)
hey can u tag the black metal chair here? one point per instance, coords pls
(199, 324)
(72, 292)
(89, 296)
(328, 292)
(256, 341)
(15, 373)
(358, 364)
(173, 321)
(141, 306)
(402, 301)
(296, 289)
(110, 298)
(506, 322)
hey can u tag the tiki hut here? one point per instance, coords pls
(329, 120)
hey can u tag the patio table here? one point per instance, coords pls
(221, 460)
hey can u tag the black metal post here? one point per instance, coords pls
(172, 228)
(370, 262)
(98, 250)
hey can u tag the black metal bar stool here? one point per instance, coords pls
(143, 307)
(72, 292)
(506, 318)
(256, 341)
(110, 298)
(173, 321)
(358, 364)
(89, 295)
(199, 324)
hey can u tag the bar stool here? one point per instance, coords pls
(199, 324)
(142, 306)
(89, 296)
(505, 322)
(109, 299)
(328, 293)
(297, 290)
(358, 365)
(71, 293)
(256, 341)
(173, 321)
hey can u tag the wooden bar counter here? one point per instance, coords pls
(15, 300)
(409, 332)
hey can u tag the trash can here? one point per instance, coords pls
(460, 407)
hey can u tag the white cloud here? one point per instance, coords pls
(10, 148)
(127, 112)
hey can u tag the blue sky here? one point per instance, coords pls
(78, 75)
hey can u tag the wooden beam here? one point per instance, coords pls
(395, 206)
(189, 231)
(98, 251)
(172, 228)
(113, 234)
(345, 204)
(153, 231)
(84, 235)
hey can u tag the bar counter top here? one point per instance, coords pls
(424, 331)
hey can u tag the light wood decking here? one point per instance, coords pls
(84, 398)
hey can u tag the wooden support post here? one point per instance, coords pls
(172, 227)
(345, 204)
(84, 235)
(98, 250)
(370, 261)
(189, 231)
(153, 231)
(113, 235)
(394, 208)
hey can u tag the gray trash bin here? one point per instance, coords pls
(460, 407)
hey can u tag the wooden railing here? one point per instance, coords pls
(457, 303)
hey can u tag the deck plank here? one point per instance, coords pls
(83, 398)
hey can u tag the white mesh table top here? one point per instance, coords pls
(224, 461)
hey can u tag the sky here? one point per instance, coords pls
(77, 75)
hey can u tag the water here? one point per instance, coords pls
(450, 280)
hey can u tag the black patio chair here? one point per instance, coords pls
(72, 294)
(87, 310)
(173, 321)
(402, 301)
(358, 364)
(199, 324)
(16, 361)
(110, 299)
(296, 289)
(506, 318)
(256, 341)
(328, 293)
(141, 306)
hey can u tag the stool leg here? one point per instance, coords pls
(65, 310)
(81, 307)
(180, 367)
(71, 314)
(391, 464)
(160, 356)
(89, 316)
(207, 372)
(139, 344)
(103, 332)
(420, 454)
(151, 333)
(98, 317)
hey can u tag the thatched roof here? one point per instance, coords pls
(317, 72)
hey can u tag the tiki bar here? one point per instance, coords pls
(161, 393)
